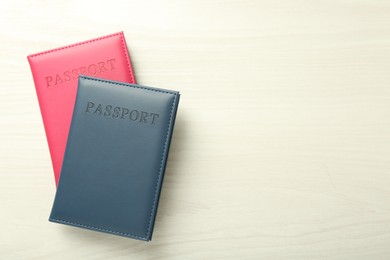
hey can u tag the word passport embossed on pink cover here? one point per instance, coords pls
(55, 73)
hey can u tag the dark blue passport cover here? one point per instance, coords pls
(115, 157)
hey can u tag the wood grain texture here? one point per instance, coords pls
(281, 146)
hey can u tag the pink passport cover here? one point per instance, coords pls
(55, 73)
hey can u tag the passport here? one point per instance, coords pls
(55, 73)
(115, 158)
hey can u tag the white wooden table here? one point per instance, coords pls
(282, 143)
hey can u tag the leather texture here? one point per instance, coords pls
(115, 157)
(55, 75)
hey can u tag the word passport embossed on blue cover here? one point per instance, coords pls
(115, 157)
